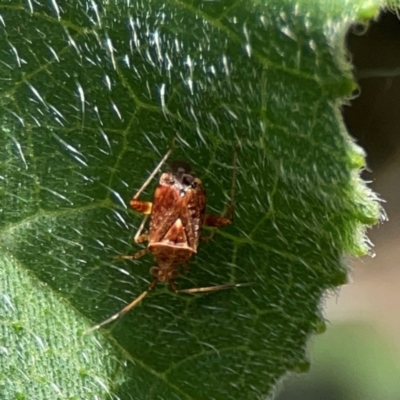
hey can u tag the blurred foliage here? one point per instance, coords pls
(353, 361)
(91, 96)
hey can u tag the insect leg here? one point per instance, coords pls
(144, 207)
(142, 238)
(211, 288)
(126, 309)
(173, 286)
(229, 211)
(216, 221)
(139, 238)
(186, 265)
(135, 256)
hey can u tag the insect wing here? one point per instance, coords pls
(192, 215)
(164, 211)
(169, 206)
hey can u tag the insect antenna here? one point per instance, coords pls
(153, 174)
(126, 309)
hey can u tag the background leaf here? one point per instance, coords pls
(92, 94)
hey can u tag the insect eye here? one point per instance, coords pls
(187, 179)
(196, 182)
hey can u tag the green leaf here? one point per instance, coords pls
(91, 96)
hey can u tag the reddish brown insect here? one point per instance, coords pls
(177, 214)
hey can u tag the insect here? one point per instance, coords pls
(177, 215)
